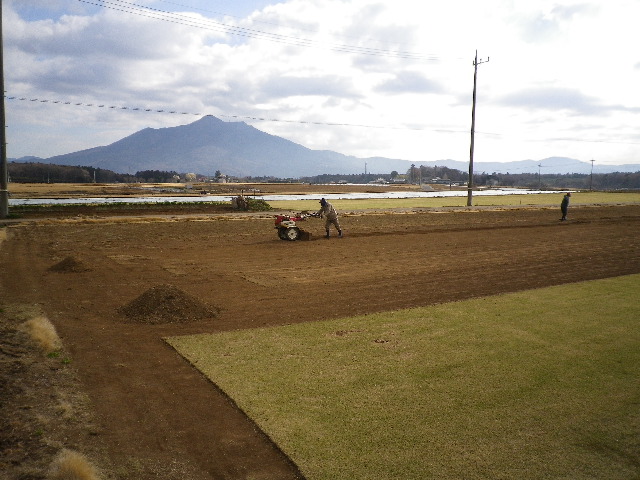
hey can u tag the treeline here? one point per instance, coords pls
(355, 178)
(445, 175)
(601, 181)
(414, 174)
(50, 173)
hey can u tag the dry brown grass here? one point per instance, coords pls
(71, 465)
(42, 331)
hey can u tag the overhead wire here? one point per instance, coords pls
(207, 24)
(203, 23)
(163, 15)
(239, 117)
(172, 17)
(297, 28)
(174, 111)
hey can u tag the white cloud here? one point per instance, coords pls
(556, 70)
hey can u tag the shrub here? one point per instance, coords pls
(257, 205)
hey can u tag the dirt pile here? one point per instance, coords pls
(166, 304)
(69, 265)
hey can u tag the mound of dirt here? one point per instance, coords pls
(166, 304)
(69, 265)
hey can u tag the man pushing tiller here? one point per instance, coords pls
(330, 216)
(288, 229)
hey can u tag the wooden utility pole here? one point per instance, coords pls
(473, 129)
(4, 169)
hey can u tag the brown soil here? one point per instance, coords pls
(166, 304)
(147, 413)
(69, 265)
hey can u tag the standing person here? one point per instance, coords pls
(564, 206)
(330, 215)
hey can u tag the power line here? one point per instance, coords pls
(276, 24)
(174, 111)
(206, 24)
(190, 7)
(239, 117)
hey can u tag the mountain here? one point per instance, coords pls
(238, 149)
(210, 144)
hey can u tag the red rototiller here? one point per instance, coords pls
(288, 228)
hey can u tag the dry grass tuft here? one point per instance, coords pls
(44, 333)
(70, 465)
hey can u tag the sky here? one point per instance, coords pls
(389, 78)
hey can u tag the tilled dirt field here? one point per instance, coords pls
(114, 287)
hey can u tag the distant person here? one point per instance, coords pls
(330, 217)
(564, 206)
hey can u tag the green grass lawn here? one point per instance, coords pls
(531, 385)
(550, 199)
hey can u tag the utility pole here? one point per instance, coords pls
(473, 128)
(4, 169)
(591, 182)
(539, 176)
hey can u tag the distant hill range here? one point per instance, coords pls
(238, 149)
